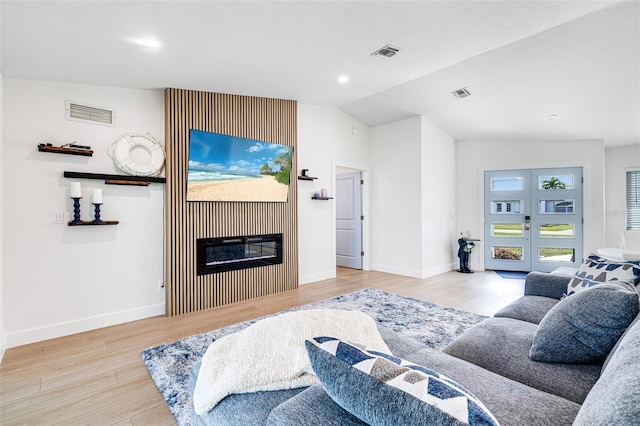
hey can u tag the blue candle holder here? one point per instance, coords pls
(76, 209)
(97, 210)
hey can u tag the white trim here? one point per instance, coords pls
(321, 276)
(66, 328)
(432, 272)
(414, 273)
(3, 347)
(366, 211)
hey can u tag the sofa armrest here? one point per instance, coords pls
(546, 284)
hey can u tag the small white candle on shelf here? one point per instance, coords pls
(96, 198)
(75, 190)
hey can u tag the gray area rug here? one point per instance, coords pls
(169, 364)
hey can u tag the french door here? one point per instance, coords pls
(533, 219)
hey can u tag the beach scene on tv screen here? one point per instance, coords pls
(228, 168)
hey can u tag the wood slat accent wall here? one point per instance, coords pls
(271, 120)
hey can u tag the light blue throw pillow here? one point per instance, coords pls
(584, 327)
(381, 389)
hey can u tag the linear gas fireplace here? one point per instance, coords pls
(233, 253)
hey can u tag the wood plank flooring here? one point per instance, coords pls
(99, 378)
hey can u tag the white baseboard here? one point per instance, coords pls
(414, 273)
(312, 278)
(431, 272)
(3, 347)
(38, 334)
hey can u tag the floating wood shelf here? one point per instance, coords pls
(307, 178)
(126, 182)
(87, 223)
(65, 150)
(117, 179)
(322, 198)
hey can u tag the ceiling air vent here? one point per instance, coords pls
(386, 52)
(461, 93)
(90, 113)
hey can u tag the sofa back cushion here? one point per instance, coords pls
(584, 327)
(613, 400)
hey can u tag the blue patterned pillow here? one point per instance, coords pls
(597, 270)
(381, 389)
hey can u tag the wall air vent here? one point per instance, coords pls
(386, 52)
(90, 114)
(461, 93)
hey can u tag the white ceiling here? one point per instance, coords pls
(521, 60)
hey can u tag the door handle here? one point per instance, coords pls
(527, 223)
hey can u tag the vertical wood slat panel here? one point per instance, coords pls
(271, 120)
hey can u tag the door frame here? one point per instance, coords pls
(586, 197)
(366, 211)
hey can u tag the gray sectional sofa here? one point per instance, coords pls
(492, 361)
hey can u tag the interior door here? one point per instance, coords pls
(533, 219)
(348, 196)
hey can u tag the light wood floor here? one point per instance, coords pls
(98, 377)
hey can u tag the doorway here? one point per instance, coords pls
(533, 219)
(348, 196)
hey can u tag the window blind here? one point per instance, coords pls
(633, 200)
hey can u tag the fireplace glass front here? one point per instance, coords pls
(233, 253)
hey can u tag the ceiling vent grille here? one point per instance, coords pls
(387, 51)
(461, 93)
(90, 114)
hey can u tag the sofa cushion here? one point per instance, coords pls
(614, 398)
(311, 407)
(502, 345)
(584, 327)
(512, 403)
(597, 270)
(546, 285)
(528, 308)
(381, 389)
(239, 409)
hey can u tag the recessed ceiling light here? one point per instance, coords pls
(149, 43)
(553, 117)
(343, 79)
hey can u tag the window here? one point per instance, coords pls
(506, 206)
(555, 182)
(633, 200)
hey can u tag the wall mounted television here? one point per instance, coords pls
(229, 168)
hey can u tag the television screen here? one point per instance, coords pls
(228, 168)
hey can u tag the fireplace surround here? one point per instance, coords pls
(239, 252)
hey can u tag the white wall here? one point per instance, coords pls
(438, 200)
(59, 279)
(617, 161)
(396, 156)
(325, 141)
(474, 157)
(3, 340)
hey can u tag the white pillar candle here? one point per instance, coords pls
(96, 198)
(75, 190)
